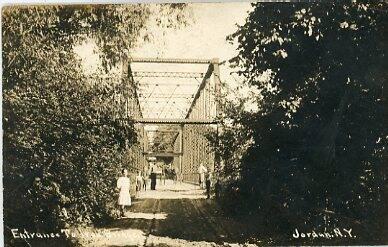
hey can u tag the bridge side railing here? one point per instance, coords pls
(197, 148)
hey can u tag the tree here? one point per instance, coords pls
(63, 141)
(319, 141)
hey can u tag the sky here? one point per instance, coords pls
(204, 38)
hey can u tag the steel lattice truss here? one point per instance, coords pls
(166, 93)
(165, 100)
(182, 107)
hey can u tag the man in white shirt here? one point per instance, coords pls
(202, 170)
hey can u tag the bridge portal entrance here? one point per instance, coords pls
(174, 105)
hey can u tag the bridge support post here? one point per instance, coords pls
(217, 95)
(217, 84)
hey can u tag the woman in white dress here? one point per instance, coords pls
(124, 185)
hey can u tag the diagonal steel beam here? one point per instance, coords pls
(201, 86)
(168, 100)
(132, 81)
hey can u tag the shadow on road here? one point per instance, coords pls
(175, 215)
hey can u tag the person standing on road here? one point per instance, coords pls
(124, 185)
(163, 175)
(217, 188)
(139, 183)
(145, 180)
(208, 183)
(153, 179)
(201, 171)
(174, 175)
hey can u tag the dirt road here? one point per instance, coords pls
(174, 215)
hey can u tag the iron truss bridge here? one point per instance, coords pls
(184, 139)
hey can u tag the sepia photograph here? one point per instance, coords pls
(209, 124)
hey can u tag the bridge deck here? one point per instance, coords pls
(175, 215)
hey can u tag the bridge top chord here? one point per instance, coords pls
(167, 74)
(174, 60)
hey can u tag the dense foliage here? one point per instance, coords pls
(317, 144)
(64, 144)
